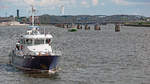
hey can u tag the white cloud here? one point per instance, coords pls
(4, 7)
(73, 1)
(121, 2)
(85, 3)
(9, 0)
(49, 2)
(125, 2)
(38, 2)
(141, 3)
(137, 12)
(102, 4)
(95, 2)
(29, 2)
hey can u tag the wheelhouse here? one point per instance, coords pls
(33, 40)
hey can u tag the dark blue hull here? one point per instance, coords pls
(28, 62)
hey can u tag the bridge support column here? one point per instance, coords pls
(117, 28)
(97, 27)
(87, 27)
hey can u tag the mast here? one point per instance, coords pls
(33, 11)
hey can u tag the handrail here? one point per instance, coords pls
(23, 53)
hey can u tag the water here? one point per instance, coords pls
(89, 57)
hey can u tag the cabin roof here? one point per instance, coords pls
(33, 26)
(41, 36)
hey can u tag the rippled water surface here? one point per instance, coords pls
(89, 57)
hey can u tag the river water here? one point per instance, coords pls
(89, 56)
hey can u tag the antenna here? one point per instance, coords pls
(33, 11)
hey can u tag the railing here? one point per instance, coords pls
(53, 53)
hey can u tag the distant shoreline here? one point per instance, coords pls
(146, 25)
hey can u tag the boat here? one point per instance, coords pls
(72, 29)
(33, 51)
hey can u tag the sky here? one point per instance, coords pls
(75, 7)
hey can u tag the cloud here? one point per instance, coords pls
(141, 3)
(73, 1)
(12, 3)
(29, 2)
(102, 4)
(95, 2)
(49, 2)
(8, 0)
(4, 7)
(85, 3)
(121, 2)
(125, 2)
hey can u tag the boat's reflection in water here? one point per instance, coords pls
(30, 73)
(40, 74)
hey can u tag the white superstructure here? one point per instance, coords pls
(35, 43)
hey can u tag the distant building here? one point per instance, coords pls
(148, 19)
(36, 19)
(11, 23)
(17, 13)
(86, 19)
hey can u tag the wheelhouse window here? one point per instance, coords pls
(29, 41)
(48, 41)
(38, 41)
